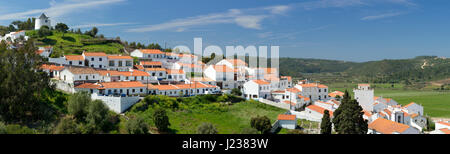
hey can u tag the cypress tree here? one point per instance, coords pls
(348, 118)
(325, 126)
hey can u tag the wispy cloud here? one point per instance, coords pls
(382, 16)
(59, 9)
(290, 35)
(246, 18)
(99, 25)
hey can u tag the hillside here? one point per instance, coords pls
(73, 43)
(419, 69)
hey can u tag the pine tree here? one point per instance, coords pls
(348, 118)
(325, 126)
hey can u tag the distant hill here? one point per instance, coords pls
(73, 43)
(422, 68)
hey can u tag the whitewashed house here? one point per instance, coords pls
(313, 91)
(52, 70)
(154, 54)
(45, 51)
(120, 63)
(96, 59)
(175, 75)
(255, 89)
(287, 121)
(159, 73)
(116, 88)
(223, 75)
(79, 75)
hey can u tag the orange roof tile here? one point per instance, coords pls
(319, 109)
(445, 130)
(120, 57)
(139, 67)
(336, 93)
(409, 104)
(158, 63)
(174, 71)
(293, 90)
(202, 79)
(52, 67)
(151, 51)
(286, 117)
(74, 57)
(364, 85)
(89, 86)
(385, 126)
(289, 78)
(444, 123)
(96, 54)
(261, 82)
(122, 84)
(313, 85)
(154, 69)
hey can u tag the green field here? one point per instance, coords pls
(435, 103)
(71, 43)
(230, 119)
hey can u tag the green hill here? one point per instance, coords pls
(419, 69)
(73, 43)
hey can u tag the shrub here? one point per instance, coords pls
(136, 125)
(206, 128)
(161, 120)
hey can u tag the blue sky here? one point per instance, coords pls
(353, 30)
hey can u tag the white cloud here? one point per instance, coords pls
(382, 16)
(59, 9)
(246, 18)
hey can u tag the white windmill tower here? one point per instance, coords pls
(41, 21)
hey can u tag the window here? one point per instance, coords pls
(80, 63)
(70, 62)
(160, 74)
(128, 63)
(133, 90)
(93, 77)
(111, 63)
(100, 66)
(120, 63)
(319, 90)
(153, 74)
(87, 77)
(92, 65)
(126, 78)
(141, 90)
(100, 59)
(92, 59)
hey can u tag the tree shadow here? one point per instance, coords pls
(68, 38)
(49, 41)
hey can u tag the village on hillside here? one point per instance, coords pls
(121, 81)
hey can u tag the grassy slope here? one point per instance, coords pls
(230, 122)
(435, 103)
(71, 43)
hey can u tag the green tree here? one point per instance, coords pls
(161, 120)
(67, 125)
(22, 84)
(136, 125)
(44, 31)
(94, 31)
(236, 91)
(98, 117)
(348, 118)
(78, 105)
(262, 124)
(206, 128)
(325, 126)
(61, 27)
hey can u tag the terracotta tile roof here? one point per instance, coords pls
(319, 109)
(385, 126)
(261, 82)
(81, 70)
(335, 102)
(409, 104)
(336, 93)
(154, 69)
(74, 57)
(52, 67)
(414, 115)
(364, 85)
(122, 84)
(387, 112)
(279, 91)
(123, 73)
(445, 130)
(201, 79)
(289, 78)
(223, 68)
(120, 57)
(303, 97)
(444, 123)
(375, 97)
(89, 86)
(158, 63)
(95, 54)
(151, 51)
(293, 90)
(183, 86)
(139, 67)
(286, 117)
(174, 71)
(313, 85)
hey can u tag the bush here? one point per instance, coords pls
(236, 91)
(261, 124)
(77, 105)
(15, 129)
(98, 117)
(67, 125)
(161, 120)
(206, 128)
(136, 125)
